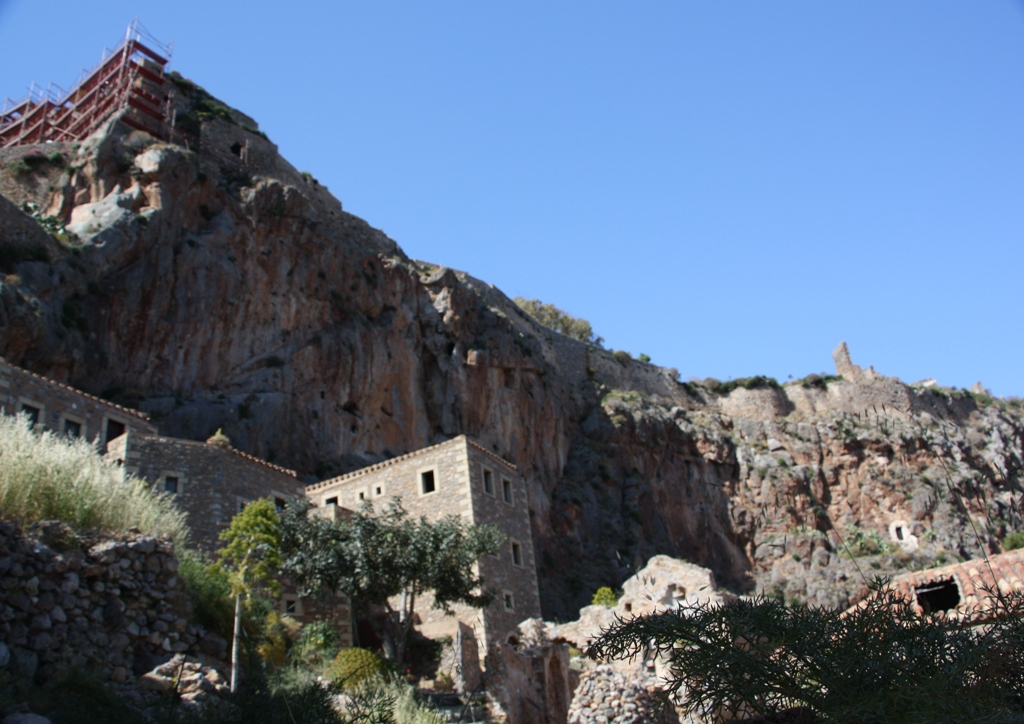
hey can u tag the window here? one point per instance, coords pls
(171, 485)
(279, 503)
(72, 428)
(291, 605)
(941, 595)
(34, 414)
(427, 482)
(488, 482)
(115, 429)
(506, 490)
(242, 504)
(378, 490)
(517, 554)
(361, 495)
(331, 501)
(510, 601)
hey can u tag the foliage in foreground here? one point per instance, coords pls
(375, 557)
(880, 662)
(81, 698)
(554, 318)
(44, 476)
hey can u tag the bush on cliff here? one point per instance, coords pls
(554, 318)
(44, 476)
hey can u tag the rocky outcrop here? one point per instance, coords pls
(213, 292)
(113, 605)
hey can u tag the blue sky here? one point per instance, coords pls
(731, 188)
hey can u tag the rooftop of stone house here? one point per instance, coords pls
(76, 391)
(392, 461)
(231, 450)
(961, 589)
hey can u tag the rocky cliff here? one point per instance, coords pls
(212, 285)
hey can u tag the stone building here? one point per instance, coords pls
(211, 484)
(463, 478)
(65, 410)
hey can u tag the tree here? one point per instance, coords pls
(252, 555)
(554, 318)
(388, 561)
(881, 661)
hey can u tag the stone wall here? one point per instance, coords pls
(113, 605)
(517, 580)
(456, 468)
(211, 484)
(402, 477)
(63, 409)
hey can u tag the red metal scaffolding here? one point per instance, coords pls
(131, 77)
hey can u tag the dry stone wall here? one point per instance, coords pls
(113, 605)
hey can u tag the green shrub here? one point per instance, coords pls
(213, 604)
(860, 543)
(1013, 541)
(356, 666)
(880, 662)
(622, 357)
(747, 383)
(554, 318)
(44, 476)
(605, 596)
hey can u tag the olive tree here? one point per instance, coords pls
(388, 560)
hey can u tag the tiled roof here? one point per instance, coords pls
(976, 579)
(387, 463)
(239, 453)
(69, 388)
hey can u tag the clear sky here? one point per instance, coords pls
(730, 187)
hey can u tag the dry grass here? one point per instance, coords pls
(48, 477)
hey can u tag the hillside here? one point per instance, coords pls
(216, 292)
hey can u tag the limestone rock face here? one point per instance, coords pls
(216, 293)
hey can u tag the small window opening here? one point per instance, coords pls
(279, 503)
(115, 429)
(517, 554)
(943, 595)
(290, 605)
(236, 148)
(32, 413)
(488, 482)
(362, 495)
(629, 608)
(171, 485)
(331, 501)
(427, 483)
(506, 491)
(242, 504)
(899, 532)
(378, 490)
(72, 428)
(510, 602)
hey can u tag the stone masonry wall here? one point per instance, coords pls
(518, 579)
(62, 408)
(213, 483)
(457, 466)
(113, 605)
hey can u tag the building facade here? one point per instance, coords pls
(463, 478)
(64, 410)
